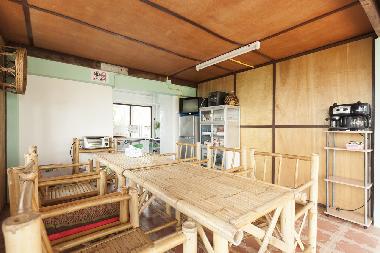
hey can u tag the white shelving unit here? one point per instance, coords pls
(331, 178)
(219, 126)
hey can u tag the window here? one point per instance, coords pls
(132, 121)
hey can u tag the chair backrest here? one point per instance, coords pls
(223, 158)
(188, 151)
(292, 171)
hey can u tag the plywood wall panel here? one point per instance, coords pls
(306, 141)
(259, 139)
(308, 85)
(254, 89)
(225, 84)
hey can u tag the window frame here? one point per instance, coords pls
(130, 116)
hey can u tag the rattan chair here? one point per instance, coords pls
(21, 231)
(300, 173)
(55, 190)
(226, 159)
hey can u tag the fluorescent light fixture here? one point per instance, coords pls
(229, 55)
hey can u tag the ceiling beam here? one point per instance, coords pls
(89, 63)
(28, 24)
(372, 11)
(195, 24)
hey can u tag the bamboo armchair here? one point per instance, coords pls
(304, 184)
(229, 158)
(21, 230)
(53, 190)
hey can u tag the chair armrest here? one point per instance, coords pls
(76, 179)
(61, 166)
(168, 154)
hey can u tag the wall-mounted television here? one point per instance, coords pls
(189, 106)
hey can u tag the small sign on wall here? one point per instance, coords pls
(99, 76)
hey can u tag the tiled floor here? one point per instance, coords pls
(334, 235)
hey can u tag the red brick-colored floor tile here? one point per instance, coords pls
(322, 236)
(362, 238)
(327, 226)
(348, 247)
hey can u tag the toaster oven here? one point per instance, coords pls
(94, 142)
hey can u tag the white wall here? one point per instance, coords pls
(377, 136)
(54, 111)
(168, 122)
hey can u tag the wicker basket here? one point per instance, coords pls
(13, 68)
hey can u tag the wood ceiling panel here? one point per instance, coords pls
(12, 22)
(252, 59)
(249, 20)
(202, 75)
(337, 27)
(231, 65)
(142, 22)
(65, 36)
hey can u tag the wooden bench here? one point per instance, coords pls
(124, 235)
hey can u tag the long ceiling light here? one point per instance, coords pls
(229, 55)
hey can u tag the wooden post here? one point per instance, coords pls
(76, 154)
(288, 224)
(244, 158)
(209, 156)
(124, 211)
(134, 207)
(198, 151)
(177, 147)
(22, 233)
(121, 181)
(178, 218)
(189, 229)
(90, 165)
(253, 164)
(102, 183)
(97, 166)
(14, 190)
(220, 244)
(168, 209)
(33, 157)
(313, 213)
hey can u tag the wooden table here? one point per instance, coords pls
(119, 162)
(226, 204)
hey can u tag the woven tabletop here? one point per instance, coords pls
(228, 197)
(119, 162)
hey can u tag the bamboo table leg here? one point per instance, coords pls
(287, 225)
(134, 208)
(189, 229)
(220, 244)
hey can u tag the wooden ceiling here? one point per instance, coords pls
(169, 37)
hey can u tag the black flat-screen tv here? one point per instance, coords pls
(189, 106)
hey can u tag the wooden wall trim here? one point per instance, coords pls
(28, 24)
(274, 121)
(372, 11)
(84, 62)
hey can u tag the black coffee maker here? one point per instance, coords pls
(351, 117)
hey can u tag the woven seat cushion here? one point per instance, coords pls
(67, 191)
(130, 241)
(81, 217)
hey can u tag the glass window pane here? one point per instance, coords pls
(141, 120)
(121, 120)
